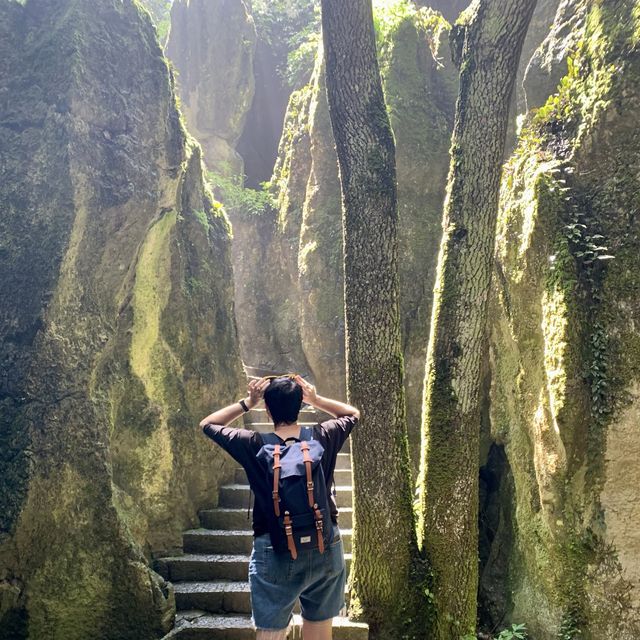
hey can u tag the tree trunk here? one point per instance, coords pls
(384, 537)
(486, 48)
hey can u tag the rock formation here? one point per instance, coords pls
(211, 45)
(420, 88)
(116, 322)
(564, 397)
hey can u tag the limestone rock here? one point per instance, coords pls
(565, 343)
(212, 45)
(320, 251)
(450, 9)
(548, 64)
(265, 256)
(116, 322)
(420, 87)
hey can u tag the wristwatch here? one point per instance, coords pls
(243, 404)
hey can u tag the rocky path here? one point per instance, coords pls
(210, 578)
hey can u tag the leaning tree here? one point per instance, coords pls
(486, 44)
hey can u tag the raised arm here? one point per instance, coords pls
(228, 414)
(333, 407)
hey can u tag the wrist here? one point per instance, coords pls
(249, 402)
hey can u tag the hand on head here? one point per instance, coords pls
(256, 389)
(308, 390)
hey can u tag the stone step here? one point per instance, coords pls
(343, 461)
(231, 541)
(341, 476)
(199, 625)
(237, 518)
(209, 566)
(203, 566)
(212, 596)
(237, 495)
(217, 597)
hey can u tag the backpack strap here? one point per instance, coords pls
(304, 446)
(276, 479)
(288, 529)
(319, 526)
(306, 433)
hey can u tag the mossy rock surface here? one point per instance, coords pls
(212, 46)
(117, 332)
(420, 88)
(565, 363)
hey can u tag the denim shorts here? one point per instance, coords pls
(277, 581)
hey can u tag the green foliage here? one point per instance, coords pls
(291, 28)
(569, 629)
(388, 16)
(515, 632)
(160, 12)
(588, 247)
(238, 199)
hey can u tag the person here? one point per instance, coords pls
(276, 580)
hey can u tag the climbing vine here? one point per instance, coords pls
(589, 249)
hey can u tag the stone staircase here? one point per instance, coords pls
(210, 578)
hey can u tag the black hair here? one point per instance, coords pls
(283, 398)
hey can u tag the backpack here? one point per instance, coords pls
(301, 517)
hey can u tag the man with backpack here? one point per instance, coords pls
(297, 550)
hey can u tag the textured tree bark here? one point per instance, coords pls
(486, 47)
(384, 536)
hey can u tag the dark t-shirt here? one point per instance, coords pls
(243, 445)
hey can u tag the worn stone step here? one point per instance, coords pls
(237, 495)
(217, 597)
(237, 518)
(199, 625)
(213, 596)
(231, 541)
(203, 566)
(209, 566)
(234, 541)
(341, 476)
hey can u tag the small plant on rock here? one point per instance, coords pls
(515, 632)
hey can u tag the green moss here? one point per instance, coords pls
(563, 241)
(149, 353)
(202, 217)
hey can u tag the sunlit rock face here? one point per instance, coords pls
(212, 45)
(548, 64)
(116, 322)
(265, 256)
(420, 88)
(565, 357)
(450, 9)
